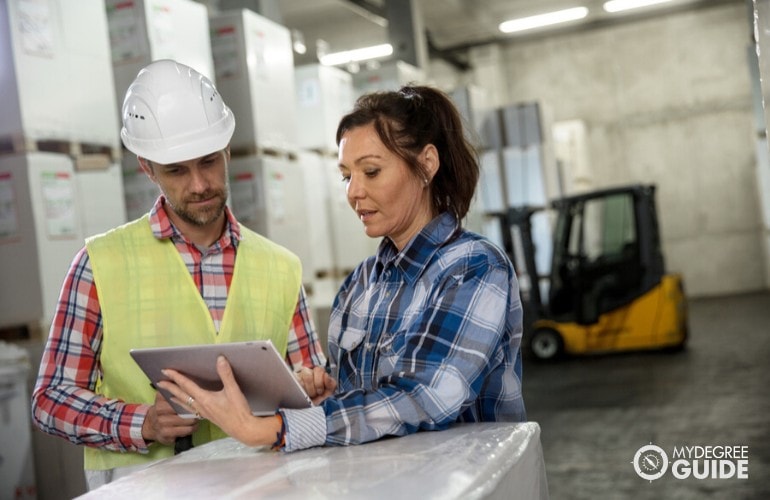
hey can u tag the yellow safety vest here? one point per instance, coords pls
(149, 299)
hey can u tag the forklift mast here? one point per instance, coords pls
(522, 252)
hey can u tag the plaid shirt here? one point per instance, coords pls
(420, 339)
(63, 401)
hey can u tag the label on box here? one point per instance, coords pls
(35, 27)
(59, 201)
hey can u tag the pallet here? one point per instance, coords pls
(86, 155)
(22, 332)
(325, 153)
(260, 151)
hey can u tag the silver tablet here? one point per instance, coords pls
(262, 374)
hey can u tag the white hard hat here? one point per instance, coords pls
(172, 113)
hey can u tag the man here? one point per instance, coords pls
(168, 278)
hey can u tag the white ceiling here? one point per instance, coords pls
(451, 24)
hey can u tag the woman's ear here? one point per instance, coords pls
(430, 161)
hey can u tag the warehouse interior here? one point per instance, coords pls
(669, 94)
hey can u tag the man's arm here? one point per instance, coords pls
(64, 402)
(304, 348)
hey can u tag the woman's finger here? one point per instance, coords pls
(180, 387)
(306, 378)
(319, 378)
(225, 372)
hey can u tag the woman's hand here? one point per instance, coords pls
(227, 408)
(317, 383)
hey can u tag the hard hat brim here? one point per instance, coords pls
(183, 148)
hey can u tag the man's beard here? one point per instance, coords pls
(201, 217)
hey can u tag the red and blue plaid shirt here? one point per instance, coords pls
(64, 402)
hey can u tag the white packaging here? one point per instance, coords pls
(139, 191)
(478, 116)
(142, 31)
(524, 178)
(101, 204)
(390, 75)
(17, 473)
(495, 460)
(40, 233)
(254, 66)
(316, 204)
(266, 195)
(324, 96)
(490, 187)
(56, 74)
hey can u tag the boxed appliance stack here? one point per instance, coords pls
(483, 131)
(254, 68)
(324, 95)
(531, 179)
(59, 168)
(60, 182)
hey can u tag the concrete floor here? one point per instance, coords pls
(596, 412)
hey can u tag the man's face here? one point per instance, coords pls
(195, 190)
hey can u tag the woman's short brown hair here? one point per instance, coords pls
(409, 119)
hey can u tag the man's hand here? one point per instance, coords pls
(318, 384)
(163, 425)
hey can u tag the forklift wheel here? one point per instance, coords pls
(546, 345)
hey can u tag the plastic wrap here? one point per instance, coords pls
(468, 461)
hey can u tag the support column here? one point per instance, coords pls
(406, 32)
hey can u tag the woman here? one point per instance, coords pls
(424, 333)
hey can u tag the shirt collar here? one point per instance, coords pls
(163, 228)
(419, 251)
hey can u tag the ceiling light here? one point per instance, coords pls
(620, 5)
(298, 42)
(356, 55)
(540, 20)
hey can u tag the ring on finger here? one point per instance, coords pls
(190, 401)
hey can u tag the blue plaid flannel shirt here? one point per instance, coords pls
(419, 339)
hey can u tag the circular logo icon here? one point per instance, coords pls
(650, 462)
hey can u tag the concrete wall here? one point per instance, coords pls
(666, 101)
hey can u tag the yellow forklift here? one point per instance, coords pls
(608, 289)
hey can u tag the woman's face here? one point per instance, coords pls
(389, 199)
